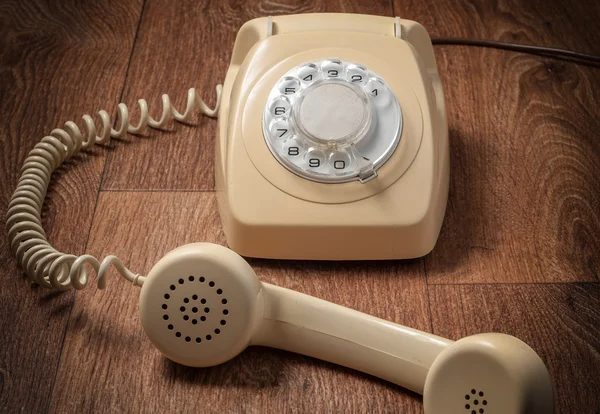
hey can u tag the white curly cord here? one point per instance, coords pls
(43, 263)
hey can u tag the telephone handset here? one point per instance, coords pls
(332, 144)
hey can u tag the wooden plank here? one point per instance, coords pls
(559, 321)
(109, 365)
(56, 63)
(180, 45)
(525, 158)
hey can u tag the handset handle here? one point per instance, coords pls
(306, 325)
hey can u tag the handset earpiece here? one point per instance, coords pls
(202, 304)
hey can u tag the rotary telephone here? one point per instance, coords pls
(332, 144)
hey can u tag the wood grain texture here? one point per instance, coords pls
(524, 201)
(187, 44)
(105, 342)
(559, 321)
(55, 63)
(524, 206)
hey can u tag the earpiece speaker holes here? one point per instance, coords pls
(196, 329)
(473, 405)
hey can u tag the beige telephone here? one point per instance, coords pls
(332, 145)
(332, 141)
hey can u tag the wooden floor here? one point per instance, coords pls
(519, 251)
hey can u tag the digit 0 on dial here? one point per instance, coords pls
(332, 121)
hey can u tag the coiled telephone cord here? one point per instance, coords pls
(43, 263)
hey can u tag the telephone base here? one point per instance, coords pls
(267, 209)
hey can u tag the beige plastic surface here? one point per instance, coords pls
(267, 211)
(510, 375)
(488, 373)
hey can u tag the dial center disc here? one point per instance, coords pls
(332, 111)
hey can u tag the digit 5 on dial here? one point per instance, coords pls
(333, 141)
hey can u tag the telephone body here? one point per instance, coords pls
(386, 88)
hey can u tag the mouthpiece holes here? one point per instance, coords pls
(475, 402)
(195, 331)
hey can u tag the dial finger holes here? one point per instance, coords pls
(340, 162)
(308, 72)
(289, 85)
(280, 129)
(377, 90)
(314, 159)
(332, 68)
(329, 105)
(280, 107)
(356, 74)
(293, 149)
